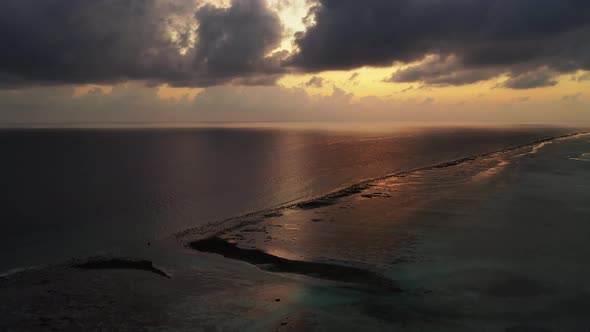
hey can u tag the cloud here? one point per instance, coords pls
(196, 43)
(315, 82)
(161, 41)
(353, 77)
(338, 96)
(473, 40)
(534, 79)
(575, 98)
(138, 103)
(520, 99)
(410, 88)
(95, 91)
(436, 70)
(427, 101)
(582, 77)
(233, 42)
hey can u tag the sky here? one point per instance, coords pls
(187, 61)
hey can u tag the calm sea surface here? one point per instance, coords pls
(79, 192)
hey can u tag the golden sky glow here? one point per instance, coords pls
(370, 82)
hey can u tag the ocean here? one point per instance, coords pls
(286, 228)
(82, 192)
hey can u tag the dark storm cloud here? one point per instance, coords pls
(184, 43)
(106, 41)
(485, 37)
(234, 41)
(533, 79)
(441, 71)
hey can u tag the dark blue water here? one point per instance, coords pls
(79, 192)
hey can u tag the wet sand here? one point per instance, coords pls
(121, 264)
(493, 243)
(277, 264)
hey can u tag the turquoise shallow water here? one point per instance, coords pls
(515, 256)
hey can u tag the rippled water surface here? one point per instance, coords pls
(78, 192)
